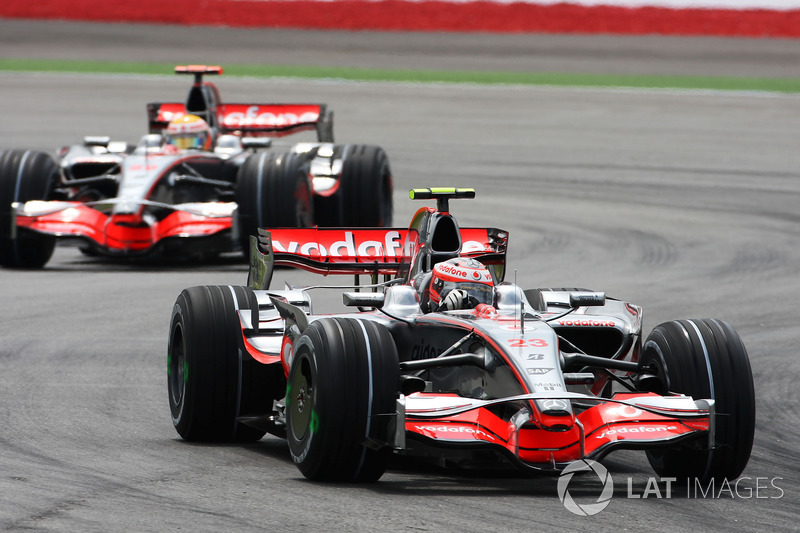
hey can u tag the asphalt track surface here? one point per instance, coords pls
(684, 202)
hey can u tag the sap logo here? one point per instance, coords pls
(538, 371)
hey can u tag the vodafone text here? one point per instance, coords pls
(391, 247)
(456, 429)
(255, 117)
(635, 429)
(455, 271)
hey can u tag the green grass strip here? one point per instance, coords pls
(787, 85)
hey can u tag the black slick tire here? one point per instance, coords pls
(366, 187)
(212, 380)
(273, 191)
(24, 175)
(705, 359)
(341, 393)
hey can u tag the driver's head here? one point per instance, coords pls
(463, 274)
(189, 132)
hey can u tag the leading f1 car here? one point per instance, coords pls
(200, 182)
(532, 378)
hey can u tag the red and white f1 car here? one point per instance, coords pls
(123, 200)
(539, 379)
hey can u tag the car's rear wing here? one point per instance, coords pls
(356, 251)
(253, 120)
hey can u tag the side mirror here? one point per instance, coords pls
(363, 299)
(256, 142)
(96, 141)
(587, 299)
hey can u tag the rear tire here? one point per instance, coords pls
(211, 378)
(366, 188)
(344, 373)
(364, 198)
(681, 353)
(273, 191)
(24, 175)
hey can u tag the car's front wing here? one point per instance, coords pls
(630, 421)
(121, 233)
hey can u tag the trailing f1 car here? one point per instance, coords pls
(536, 379)
(200, 182)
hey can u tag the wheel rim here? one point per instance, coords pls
(654, 358)
(177, 368)
(301, 400)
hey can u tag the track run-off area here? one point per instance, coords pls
(739, 18)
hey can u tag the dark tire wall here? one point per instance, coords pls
(364, 198)
(333, 360)
(24, 175)
(366, 187)
(684, 351)
(273, 191)
(222, 381)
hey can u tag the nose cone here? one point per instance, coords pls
(128, 232)
(554, 414)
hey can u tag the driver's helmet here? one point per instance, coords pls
(465, 274)
(189, 132)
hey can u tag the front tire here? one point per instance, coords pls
(24, 175)
(705, 359)
(211, 379)
(341, 393)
